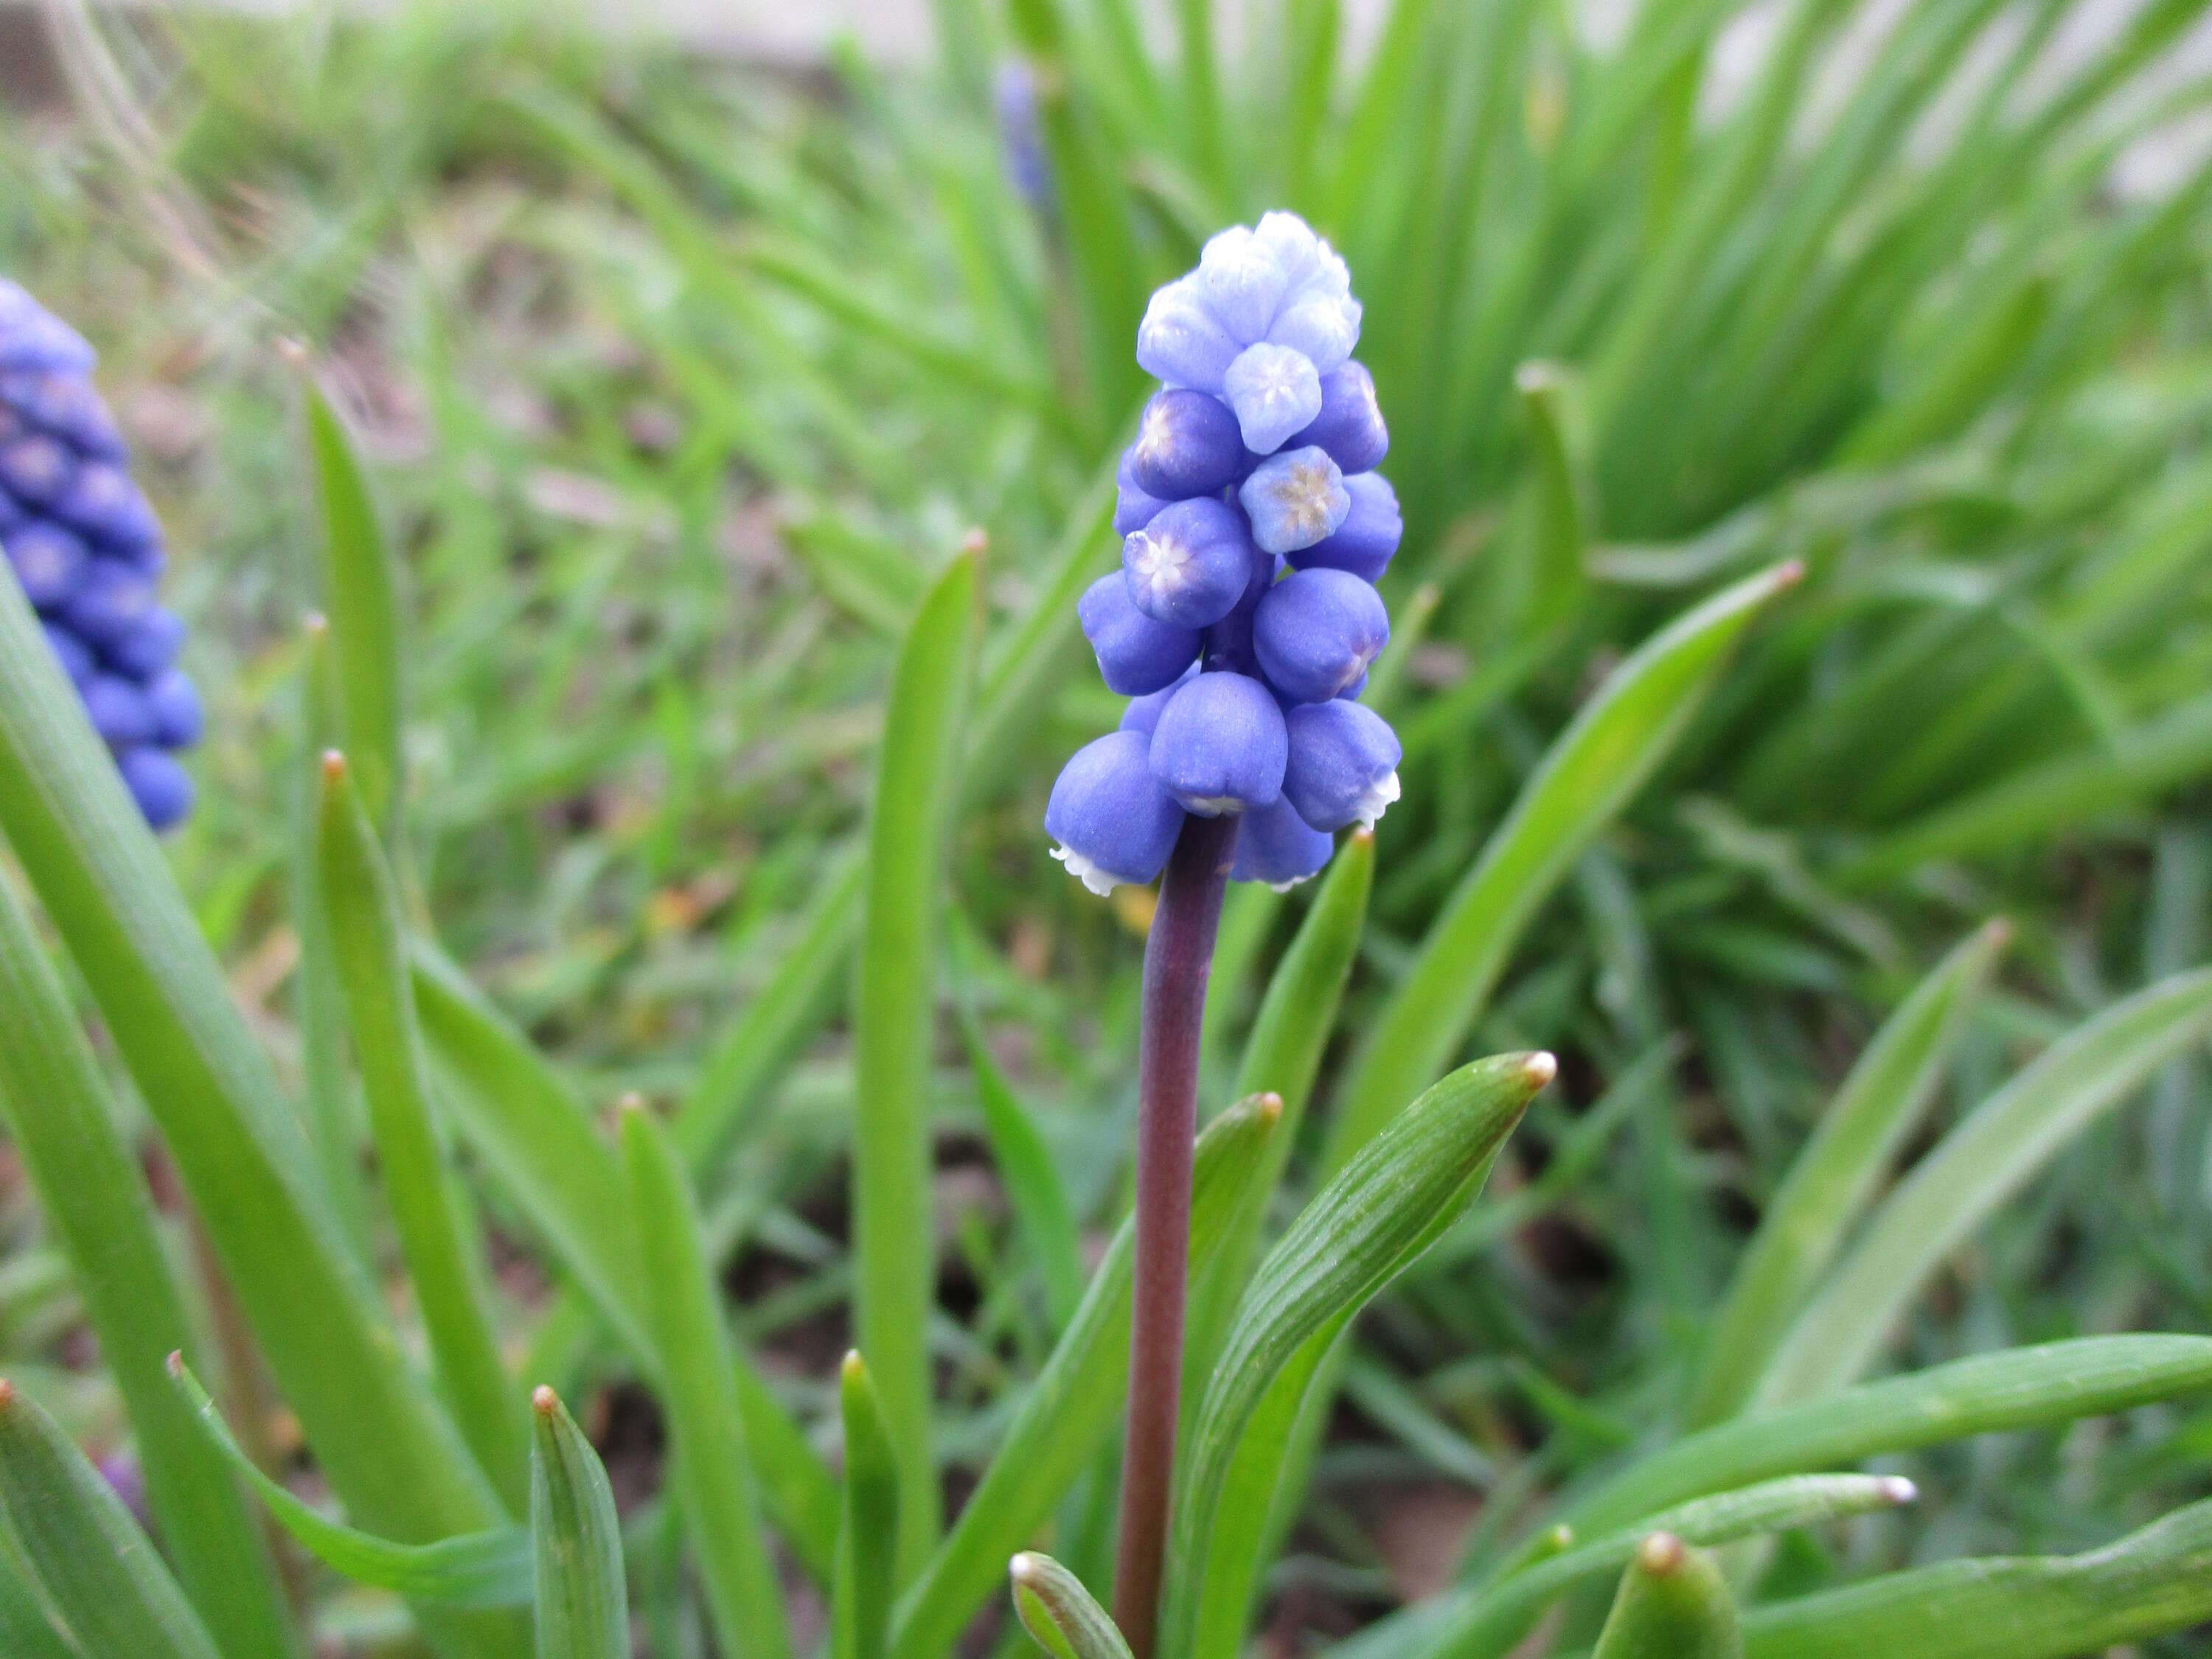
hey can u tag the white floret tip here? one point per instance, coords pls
(1100, 881)
(1377, 800)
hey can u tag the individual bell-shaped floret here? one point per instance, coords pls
(1190, 564)
(67, 405)
(1322, 328)
(1316, 631)
(35, 468)
(1181, 341)
(1242, 282)
(1111, 818)
(1143, 713)
(1136, 653)
(32, 338)
(1294, 500)
(1187, 444)
(103, 503)
(162, 788)
(72, 653)
(1308, 262)
(1368, 536)
(150, 645)
(1343, 767)
(118, 711)
(1349, 425)
(1220, 745)
(174, 705)
(1274, 391)
(1276, 846)
(50, 561)
(108, 604)
(1134, 504)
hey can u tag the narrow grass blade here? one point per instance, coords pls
(893, 1026)
(2151, 1583)
(1598, 763)
(1990, 1394)
(1483, 1623)
(1982, 1163)
(582, 1601)
(1673, 1604)
(359, 585)
(1283, 1056)
(1059, 1613)
(1390, 1204)
(435, 1238)
(1033, 1186)
(70, 1540)
(93, 1195)
(1556, 505)
(873, 580)
(480, 1570)
(390, 1453)
(713, 1475)
(25, 1630)
(1071, 1408)
(1872, 1114)
(867, 1540)
(535, 1138)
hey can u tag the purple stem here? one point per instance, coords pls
(1178, 957)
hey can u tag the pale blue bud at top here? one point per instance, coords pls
(1349, 425)
(1343, 767)
(1320, 327)
(50, 561)
(1294, 500)
(162, 788)
(1274, 391)
(1190, 564)
(1143, 713)
(1134, 506)
(1309, 262)
(1136, 653)
(1276, 846)
(1220, 745)
(1113, 820)
(1187, 444)
(34, 338)
(1243, 281)
(1316, 631)
(1182, 342)
(1369, 534)
(174, 704)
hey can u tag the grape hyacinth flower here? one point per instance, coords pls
(1242, 625)
(87, 552)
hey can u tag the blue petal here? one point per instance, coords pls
(1368, 536)
(162, 788)
(1294, 500)
(1111, 818)
(50, 563)
(1243, 283)
(118, 709)
(1276, 846)
(1190, 564)
(1344, 762)
(1134, 504)
(35, 469)
(1316, 632)
(1220, 745)
(1275, 391)
(175, 707)
(108, 604)
(1136, 654)
(1349, 425)
(1181, 340)
(1143, 713)
(150, 645)
(1187, 444)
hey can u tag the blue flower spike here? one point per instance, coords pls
(85, 549)
(1244, 617)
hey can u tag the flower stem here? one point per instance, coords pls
(1178, 957)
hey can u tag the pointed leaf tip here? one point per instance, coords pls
(1898, 1489)
(1271, 1109)
(1540, 1068)
(315, 625)
(1660, 1554)
(543, 1401)
(334, 764)
(293, 350)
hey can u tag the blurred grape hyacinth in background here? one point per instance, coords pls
(1256, 527)
(87, 549)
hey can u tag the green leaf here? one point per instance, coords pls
(480, 1570)
(358, 582)
(435, 1239)
(861, 573)
(25, 1632)
(1982, 1162)
(1477, 1623)
(2149, 1584)
(1556, 503)
(1033, 1186)
(390, 1454)
(1060, 1613)
(1393, 1201)
(582, 1600)
(894, 1022)
(1596, 766)
(1881, 1102)
(67, 1536)
(537, 1140)
(93, 1195)
(1989, 1394)
(867, 1540)
(1673, 1604)
(712, 1474)
(1069, 1410)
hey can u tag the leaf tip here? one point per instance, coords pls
(1363, 837)
(175, 1362)
(1789, 574)
(853, 1369)
(545, 1401)
(1025, 1568)
(334, 765)
(1660, 1555)
(1998, 931)
(316, 626)
(1270, 1110)
(294, 351)
(632, 1104)
(976, 543)
(1539, 1069)
(1896, 1489)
